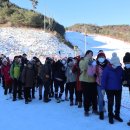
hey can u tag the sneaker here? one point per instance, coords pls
(118, 118)
(86, 113)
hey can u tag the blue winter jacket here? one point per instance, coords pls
(112, 78)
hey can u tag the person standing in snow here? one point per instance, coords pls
(46, 75)
(111, 82)
(101, 64)
(5, 71)
(88, 83)
(76, 70)
(15, 75)
(126, 73)
(59, 79)
(28, 79)
(71, 80)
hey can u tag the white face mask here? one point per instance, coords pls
(101, 60)
(127, 66)
(63, 62)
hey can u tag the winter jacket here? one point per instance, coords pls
(28, 76)
(112, 78)
(70, 76)
(5, 71)
(99, 70)
(59, 73)
(15, 71)
(77, 71)
(45, 73)
(126, 76)
(84, 77)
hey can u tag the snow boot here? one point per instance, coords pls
(101, 115)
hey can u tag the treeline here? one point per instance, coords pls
(121, 32)
(12, 15)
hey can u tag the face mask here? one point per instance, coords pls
(127, 66)
(63, 62)
(70, 63)
(101, 60)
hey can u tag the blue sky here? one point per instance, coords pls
(69, 12)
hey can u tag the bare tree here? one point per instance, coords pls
(34, 3)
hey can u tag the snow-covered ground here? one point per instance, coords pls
(53, 116)
(16, 41)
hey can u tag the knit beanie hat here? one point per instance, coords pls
(126, 58)
(4, 60)
(115, 60)
(101, 54)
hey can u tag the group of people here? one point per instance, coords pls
(84, 80)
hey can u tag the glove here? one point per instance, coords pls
(124, 83)
(103, 92)
(94, 63)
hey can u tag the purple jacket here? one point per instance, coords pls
(112, 78)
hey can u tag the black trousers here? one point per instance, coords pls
(17, 88)
(111, 95)
(26, 93)
(57, 85)
(66, 89)
(51, 87)
(72, 90)
(46, 89)
(89, 95)
(79, 95)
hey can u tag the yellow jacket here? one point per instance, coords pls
(84, 77)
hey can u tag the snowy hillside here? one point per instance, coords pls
(15, 41)
(97, 42)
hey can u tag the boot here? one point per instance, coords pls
(80, 105)
(26, 101)
(128, 123)
(40, 97)
(86, 113)
(101, 115)
(71, 103)
(117, 117)
(111, 121)
(47, 100)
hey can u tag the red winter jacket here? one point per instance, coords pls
(5, 71)
(77, 70)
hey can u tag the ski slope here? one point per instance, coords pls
(97, 42)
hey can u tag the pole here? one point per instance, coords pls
(85, 43)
